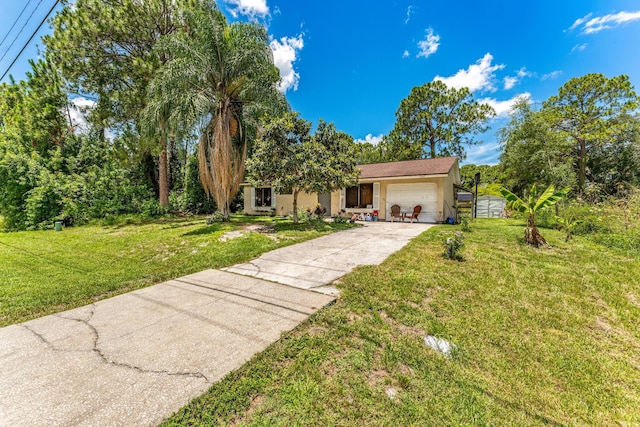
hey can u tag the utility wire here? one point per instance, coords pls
(20, 32)
(15, 22)
(30, 38)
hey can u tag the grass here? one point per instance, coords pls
(544, 337)
(43, 272)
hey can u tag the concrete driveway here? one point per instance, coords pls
(136, 358)
(317, 263)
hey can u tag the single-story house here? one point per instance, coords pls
(429, 183)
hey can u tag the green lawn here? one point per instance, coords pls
(43, 272)
(544, 337)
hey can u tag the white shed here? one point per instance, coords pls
(490, 206)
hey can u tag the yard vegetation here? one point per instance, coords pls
(44, 272)
(543, 336)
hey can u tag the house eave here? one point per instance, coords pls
(396, 178)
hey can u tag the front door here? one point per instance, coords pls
(325, 202)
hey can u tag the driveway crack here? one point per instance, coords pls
(41, 337)
(96, 350)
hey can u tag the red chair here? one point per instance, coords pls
(396, 214)
(415, 213)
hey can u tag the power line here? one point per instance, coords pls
(30, 38)
(20, 32)
(15, 22)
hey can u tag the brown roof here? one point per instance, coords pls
(436, 166)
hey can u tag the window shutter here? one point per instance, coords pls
(342, 198)
(376, 195)
(253, 198)
(273, 198)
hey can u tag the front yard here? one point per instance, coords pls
(43, 272)
(544, 337)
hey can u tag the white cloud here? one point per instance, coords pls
(510, 82)
(479, 76)
(285, 53)
(250, 8)
(503, 108)
(375, 140)
(78, 111)
(429, 45)
(579, 47)
(405, 54)
(580, 21)
(409, 13)
(522, 73)
(594, 25)
(551, 75)
(485, 154)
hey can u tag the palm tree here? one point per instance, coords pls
(219, 77)
(531, 206)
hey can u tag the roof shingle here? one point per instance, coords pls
(436, 166)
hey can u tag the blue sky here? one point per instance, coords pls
(352, 62)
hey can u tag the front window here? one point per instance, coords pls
(263, 197)
(359, 196)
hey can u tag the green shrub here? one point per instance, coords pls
(338, 219)
(453, 245)
(194, 199)
(465, 224)
(153, 209)
(217, 216)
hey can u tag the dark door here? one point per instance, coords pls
(325, 202)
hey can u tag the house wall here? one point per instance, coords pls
(449, 193)
(284, 203)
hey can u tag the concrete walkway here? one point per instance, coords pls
(136, 358)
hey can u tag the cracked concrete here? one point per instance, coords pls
(136, 358)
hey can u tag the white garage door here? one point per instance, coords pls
(409, 195)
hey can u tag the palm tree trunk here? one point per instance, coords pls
(295, 206)
(163, 177)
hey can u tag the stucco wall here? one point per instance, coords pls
(449, 193)
(284, 203)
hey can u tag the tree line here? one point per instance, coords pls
(184, 100)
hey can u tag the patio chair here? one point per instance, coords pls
(415, 213)
(395, 213)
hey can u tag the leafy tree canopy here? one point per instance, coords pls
(290, 160)
(219, 78)
(436, 120)
(589, 112)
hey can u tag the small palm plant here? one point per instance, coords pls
(531, 206)
(568, 224)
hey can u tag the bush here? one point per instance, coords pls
(215, 217)
(464, 224)
(153, 209)
(194, 199)
(453, 246)
(340, 219)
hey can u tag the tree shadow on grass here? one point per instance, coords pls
(209, 229)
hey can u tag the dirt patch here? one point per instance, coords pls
(256, 402)
(633, 299)
(315, 331)
(376, 377)
(258, 228)
(404, 329)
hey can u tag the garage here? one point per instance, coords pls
(412, 194)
